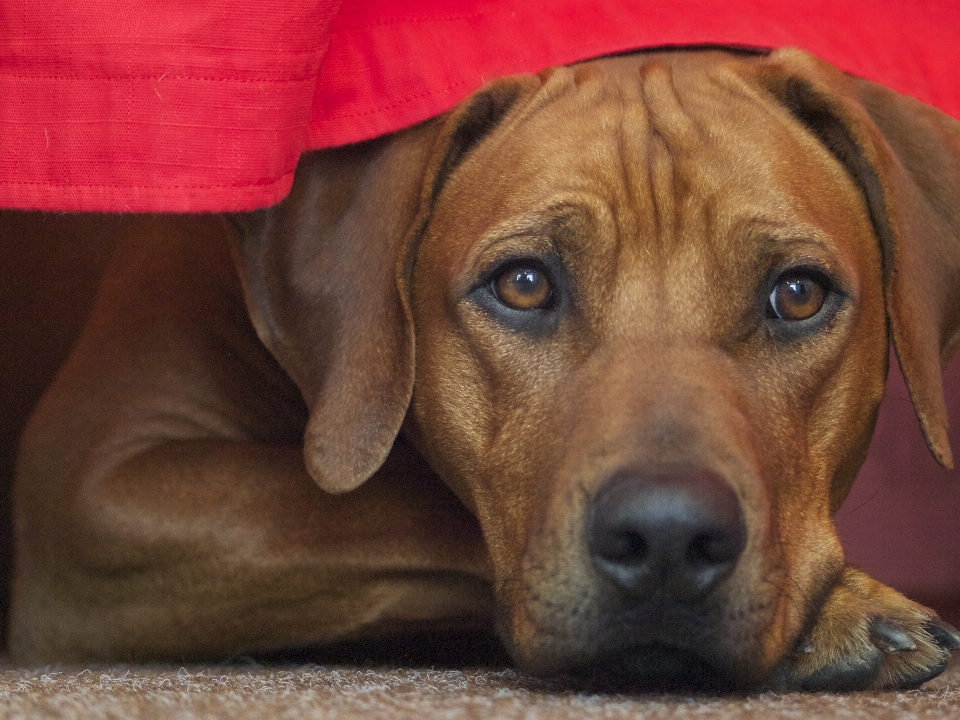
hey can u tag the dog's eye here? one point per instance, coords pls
(796, 296)
(523, 286)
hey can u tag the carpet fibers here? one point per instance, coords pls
(337, 692)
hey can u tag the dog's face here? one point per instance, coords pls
(674, 300)
(635, 314)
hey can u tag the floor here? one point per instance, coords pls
(305, 692)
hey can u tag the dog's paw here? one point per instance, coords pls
(869, 637)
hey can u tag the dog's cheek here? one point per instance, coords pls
(824, 410)
(842, 423)
(450, 413)
(488, 410)
(845, 384)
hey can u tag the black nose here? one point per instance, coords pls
(673, 535)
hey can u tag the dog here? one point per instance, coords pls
(590, 359)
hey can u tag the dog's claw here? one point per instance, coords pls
(944, 634)
(846, 675)
(890, 636)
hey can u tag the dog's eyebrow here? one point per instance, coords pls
(537, 244)
(793, 246)
(552, 217)
(795, 240)
(553, 225)
(776, 237)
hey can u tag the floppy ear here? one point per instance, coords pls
(323, 275)
(905, 156)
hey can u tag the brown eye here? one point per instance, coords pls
(523, 287)
(797, 297)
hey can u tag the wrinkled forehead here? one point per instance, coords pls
(656, 157)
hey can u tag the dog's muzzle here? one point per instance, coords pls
(662, 543)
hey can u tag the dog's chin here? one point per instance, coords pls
(652, 668)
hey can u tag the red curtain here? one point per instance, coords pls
(187, 106)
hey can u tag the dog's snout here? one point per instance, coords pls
(671, 535)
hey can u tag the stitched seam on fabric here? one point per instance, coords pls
(405, 20)
(273, 181)
(406, 101)
(130, 78)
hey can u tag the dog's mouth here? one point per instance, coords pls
(651, 668)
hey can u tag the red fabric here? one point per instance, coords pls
(188, 106)
(167, 105)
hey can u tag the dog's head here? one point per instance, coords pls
(635, 313)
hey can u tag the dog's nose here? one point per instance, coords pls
(673, 535)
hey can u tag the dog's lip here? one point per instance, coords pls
(651, 667)
(654, 648)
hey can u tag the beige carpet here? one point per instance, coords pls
(306, 692)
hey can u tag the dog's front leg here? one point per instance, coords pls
(209, 549)
(867, 636)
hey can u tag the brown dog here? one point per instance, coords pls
(633, 313)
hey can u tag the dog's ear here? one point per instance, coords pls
(905, 157)
(324, 271)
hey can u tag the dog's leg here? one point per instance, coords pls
(868, 636)
(164, 510)
(209, 549)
